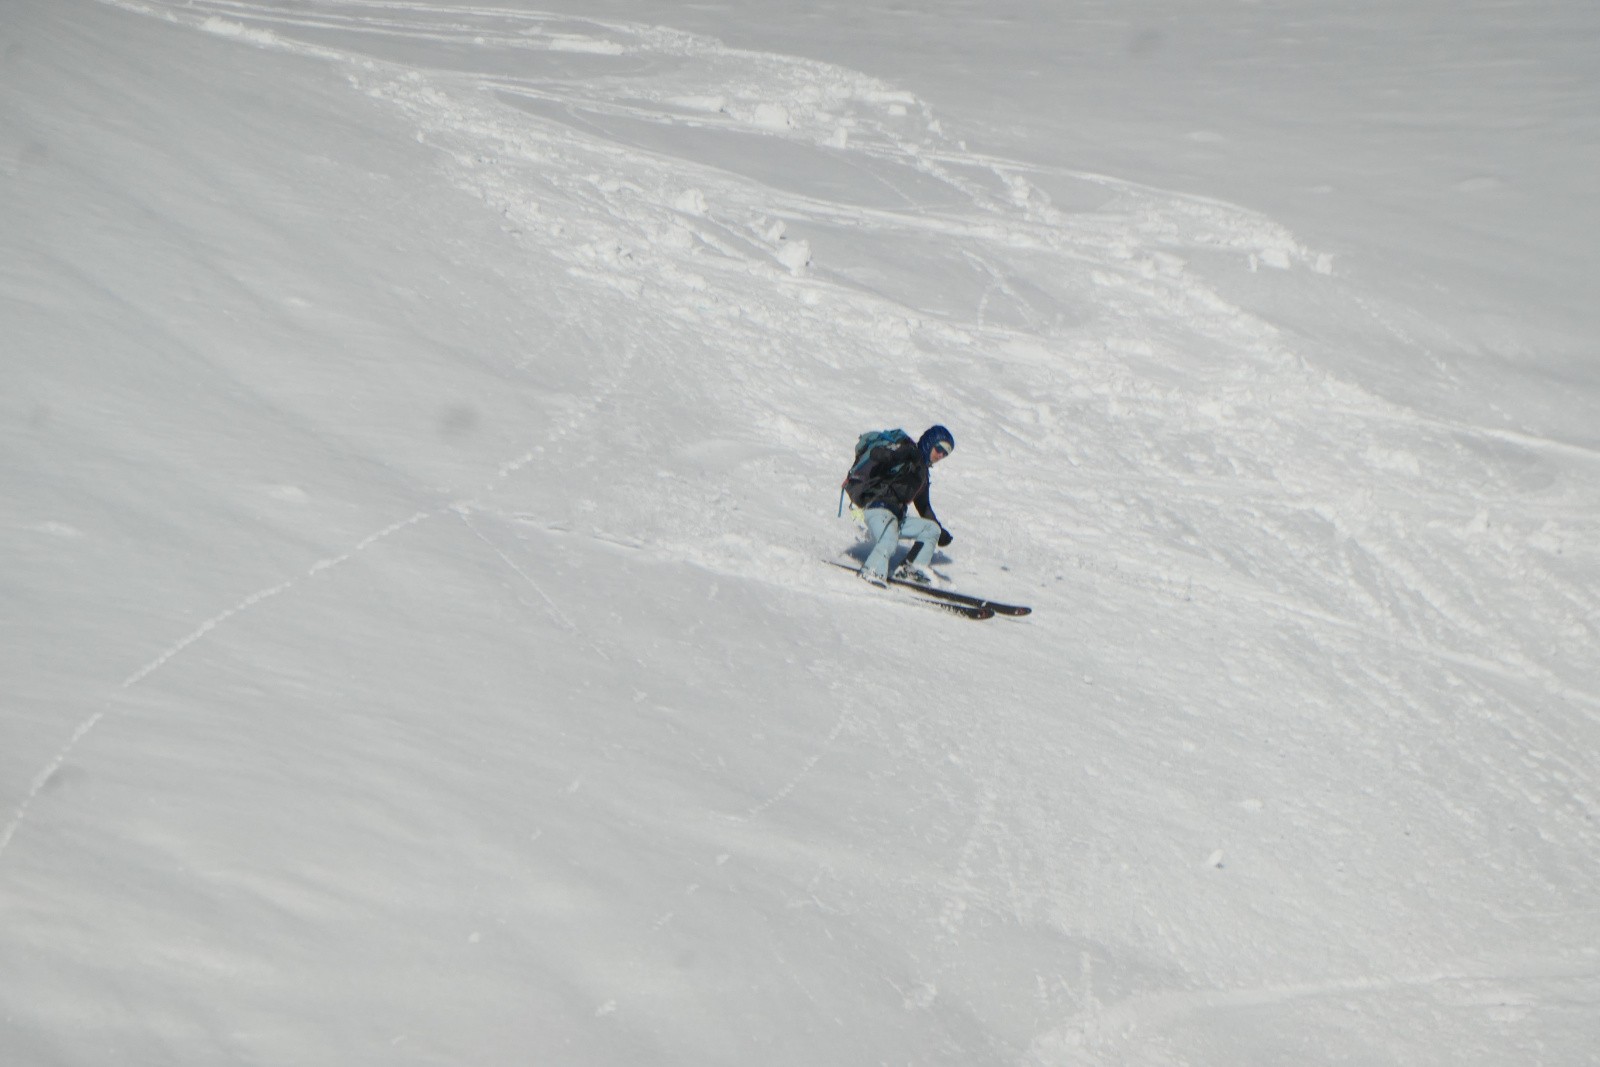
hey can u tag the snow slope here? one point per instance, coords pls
(422, 424)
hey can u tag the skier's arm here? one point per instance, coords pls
(924, 505)
(925, 509)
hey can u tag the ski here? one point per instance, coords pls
(966, 611)
(947, 596)
(968, 599)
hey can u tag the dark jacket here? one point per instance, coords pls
(898, 478)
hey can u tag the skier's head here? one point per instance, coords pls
(936, 443)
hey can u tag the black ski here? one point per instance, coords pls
(968, 599)
(966, 611)
(952, 598)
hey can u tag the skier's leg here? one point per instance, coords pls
(884, 530)
(925, 532)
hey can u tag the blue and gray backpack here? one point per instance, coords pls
(866, 476)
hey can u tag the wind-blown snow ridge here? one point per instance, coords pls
(543, 148)
(716, 88)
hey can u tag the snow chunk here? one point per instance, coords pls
(796, 255)
(691, 202)
(711, 105)
(771, 117)
(228, 28)
(1549, 538)
(586, 45)
(1391, 459)
(893, 97)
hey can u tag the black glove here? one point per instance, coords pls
(945, 537)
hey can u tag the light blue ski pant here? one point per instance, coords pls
(886, 531)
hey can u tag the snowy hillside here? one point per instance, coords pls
(422, 431)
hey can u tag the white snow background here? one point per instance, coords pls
(421, 424)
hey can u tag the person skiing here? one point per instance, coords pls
(891, 478)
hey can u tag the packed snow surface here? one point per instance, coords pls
(422, 424)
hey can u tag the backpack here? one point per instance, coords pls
(863, 480)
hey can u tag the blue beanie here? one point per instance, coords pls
(935, 436)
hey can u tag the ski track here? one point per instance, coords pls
(462, 510)
(199, 633)
(465, 512)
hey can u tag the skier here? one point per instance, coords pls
(895, 477)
